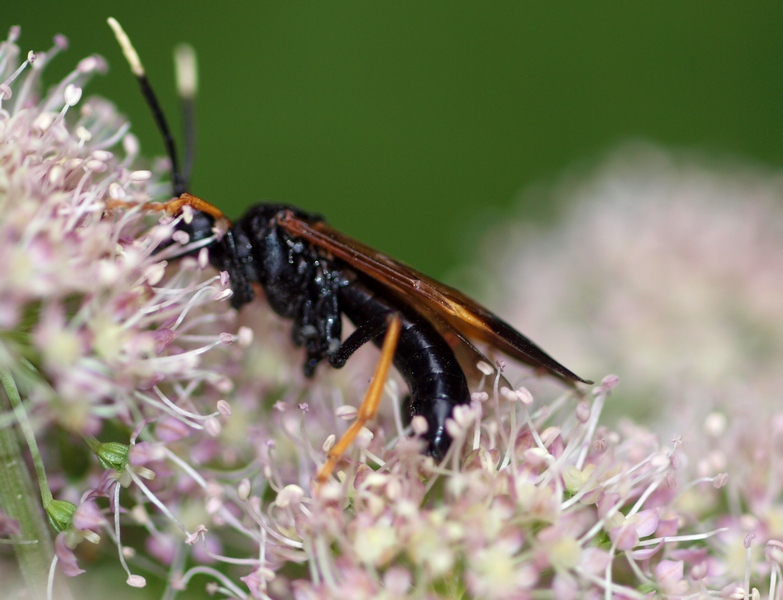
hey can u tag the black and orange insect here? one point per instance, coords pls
(315, 275)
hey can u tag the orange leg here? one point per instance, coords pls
(369, 406)
(172, 207)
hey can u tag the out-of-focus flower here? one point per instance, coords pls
(663, 269)
(667, 270)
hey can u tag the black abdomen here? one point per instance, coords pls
(434, 377)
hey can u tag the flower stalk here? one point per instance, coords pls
(19, 499)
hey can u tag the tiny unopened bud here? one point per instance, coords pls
(116, 192)
(419, 425)
(212, 426)
(485, 367)
(524, 395)
(154, 273)
(73, 94)
(479, 397)
(610, 381)
(136, 581)
(245, 336)
(94, 165)
(131, 144)
(290, 495)
(181, 237)
(87, 65)
(60, 41)
(364, 437)
(583, 412)
(85, 135)
(346, 412)
(243, 489)
(224, 408)
(774, 551)
(140, 176)
(203, 258)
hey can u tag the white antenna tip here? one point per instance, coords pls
(187, 70)
(127, 48)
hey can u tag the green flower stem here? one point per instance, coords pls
(21, 418)
(18, 498)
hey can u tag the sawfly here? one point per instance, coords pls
(314, 275)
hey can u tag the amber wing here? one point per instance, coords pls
(466, 316)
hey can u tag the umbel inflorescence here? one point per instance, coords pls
(190, 430)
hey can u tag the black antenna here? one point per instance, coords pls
(179, 184)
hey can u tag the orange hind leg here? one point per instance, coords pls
(369, 406)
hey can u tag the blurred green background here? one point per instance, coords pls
(410, 124)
